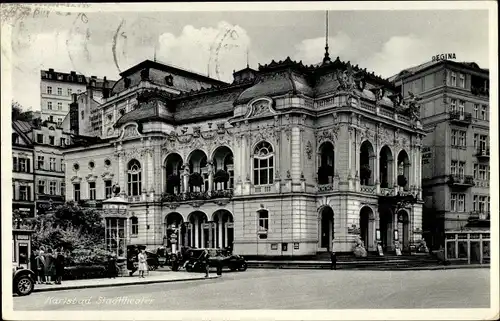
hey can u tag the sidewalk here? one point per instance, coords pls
(154, 277)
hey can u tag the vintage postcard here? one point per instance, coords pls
(233, 161)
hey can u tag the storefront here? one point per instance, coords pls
(21, 248)
(27, 210)
(468, 246)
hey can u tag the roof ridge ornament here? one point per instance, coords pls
(326, 58)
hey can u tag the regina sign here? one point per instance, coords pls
(446, 56)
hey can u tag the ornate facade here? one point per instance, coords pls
(279, 162)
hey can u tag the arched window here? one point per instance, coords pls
(134, 178)
(134, 225)
(263, 164)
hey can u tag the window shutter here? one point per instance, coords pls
(28, 168)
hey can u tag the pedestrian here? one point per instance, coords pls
(333, 256)
(32, 265)
(40, 266)
(112, 268)
(143, 265)
(49, 266)
(206, 263)
(60, 265)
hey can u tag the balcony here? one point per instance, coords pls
(368, 189)
(479, 216)
(461, 181)
(460, 118)
(221, 194)
(483, 153)
(196, 196)
(325, 188)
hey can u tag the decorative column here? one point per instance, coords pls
(377, 169)
(210, 234)
(395, 171)
(210, 176)
(185, 179)
(220, 226)
(121, 169)
(196, 232)
(245, 176)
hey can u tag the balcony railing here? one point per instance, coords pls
(262, 189)
(387, 191)
(479, 216)
(368, 189)
(483, 153)
(461, 180)
(322, 188)
(461, 118)
(132, 199)
(191, 196)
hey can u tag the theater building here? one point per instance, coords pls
(278, 162)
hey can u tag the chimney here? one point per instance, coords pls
(51, 70)
(74, 124)
(75, 97)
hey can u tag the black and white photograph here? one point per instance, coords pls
(239, 160)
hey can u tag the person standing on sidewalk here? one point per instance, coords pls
(49, 266)
(59, 265)
(205, 261)
(333, 256)
(143, 265)
(112, 268)
(40, 266)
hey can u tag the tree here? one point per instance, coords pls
(19, 114)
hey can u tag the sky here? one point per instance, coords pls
(217, 42)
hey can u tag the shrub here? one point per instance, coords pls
(402, 181)
(221, 176)
(195, 179)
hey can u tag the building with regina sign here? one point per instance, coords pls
(279, 162)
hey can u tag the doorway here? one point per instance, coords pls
(326, 228)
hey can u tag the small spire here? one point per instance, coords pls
(326, 59)
(248, 65)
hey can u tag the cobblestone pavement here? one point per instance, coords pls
(283, 289)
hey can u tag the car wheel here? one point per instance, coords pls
(232, 267)
(189, 269)
(243, 267)
(24, 285)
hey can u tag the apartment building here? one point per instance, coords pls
(455, 156)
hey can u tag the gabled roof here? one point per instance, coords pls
(23, 129)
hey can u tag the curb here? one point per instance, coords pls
(376, 268)
(89, 286)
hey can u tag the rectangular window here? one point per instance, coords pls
(39, 138)
(41, 162)
(461, 203)
(475, 203)
(92, 190)
(476, 171)
(263, 221)
(41, 187)
(49, 90)
(70, 91)
(476, 139)
(482, 204)
(23, 193)
(63, 166)
(454, 167)
(476, 111)
(49, 105)
(462, 139)
(461, 106)
(63, 188)
(462, 81)
(453, 79)
(63, 142)
(453, 202)
(59, 106)
(59, 91)
(52, 140)
(454, 137)
(482, 172)
(108, 189)
(51, 118)
(76, 192)
(484, 113)
(482, 142)
(14, 165)
(52, 164)
(453, 104)
(461, 169)
(22, 164)
(59, 121)
(52, 187)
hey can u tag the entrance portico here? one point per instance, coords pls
(325, 228)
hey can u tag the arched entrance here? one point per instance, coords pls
(174, 231)
(403, 170)
(223, 168)
(198, 230)
(366, 163)
(198, 167)
(403, 228)
(173, 174)
(366, 224)
(386, 228)
(223, 229)
(326, 163)
(326, 228)
(386, 169)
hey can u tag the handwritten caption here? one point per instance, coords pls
(12, 13)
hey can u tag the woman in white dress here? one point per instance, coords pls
(143, 265)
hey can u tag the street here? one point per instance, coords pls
(283, 289)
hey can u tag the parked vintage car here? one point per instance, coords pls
(194, 263)
(152, 257)
(23, 280)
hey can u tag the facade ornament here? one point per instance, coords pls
(345, 78)
(196, 131)
(309, 150)
(288, 133)
(221, 128)
(414, 106)
(130, 131)
(261, 107)
(288, 175)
